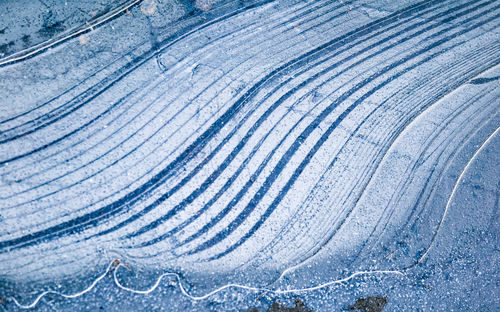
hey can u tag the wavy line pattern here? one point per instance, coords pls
(261, 136)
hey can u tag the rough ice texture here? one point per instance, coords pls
(221, 155)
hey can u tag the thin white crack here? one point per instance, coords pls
(250, 288)
(455, 187)
(116, 264)
(111, 266)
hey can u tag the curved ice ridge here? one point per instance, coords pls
(33, 50)
(116, 264)
(261, 136)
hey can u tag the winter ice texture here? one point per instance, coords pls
(217, 155)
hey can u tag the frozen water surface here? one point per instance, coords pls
(217, 155)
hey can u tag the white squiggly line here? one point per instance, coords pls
(250, 288)
(116, 264)
(78, 294)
